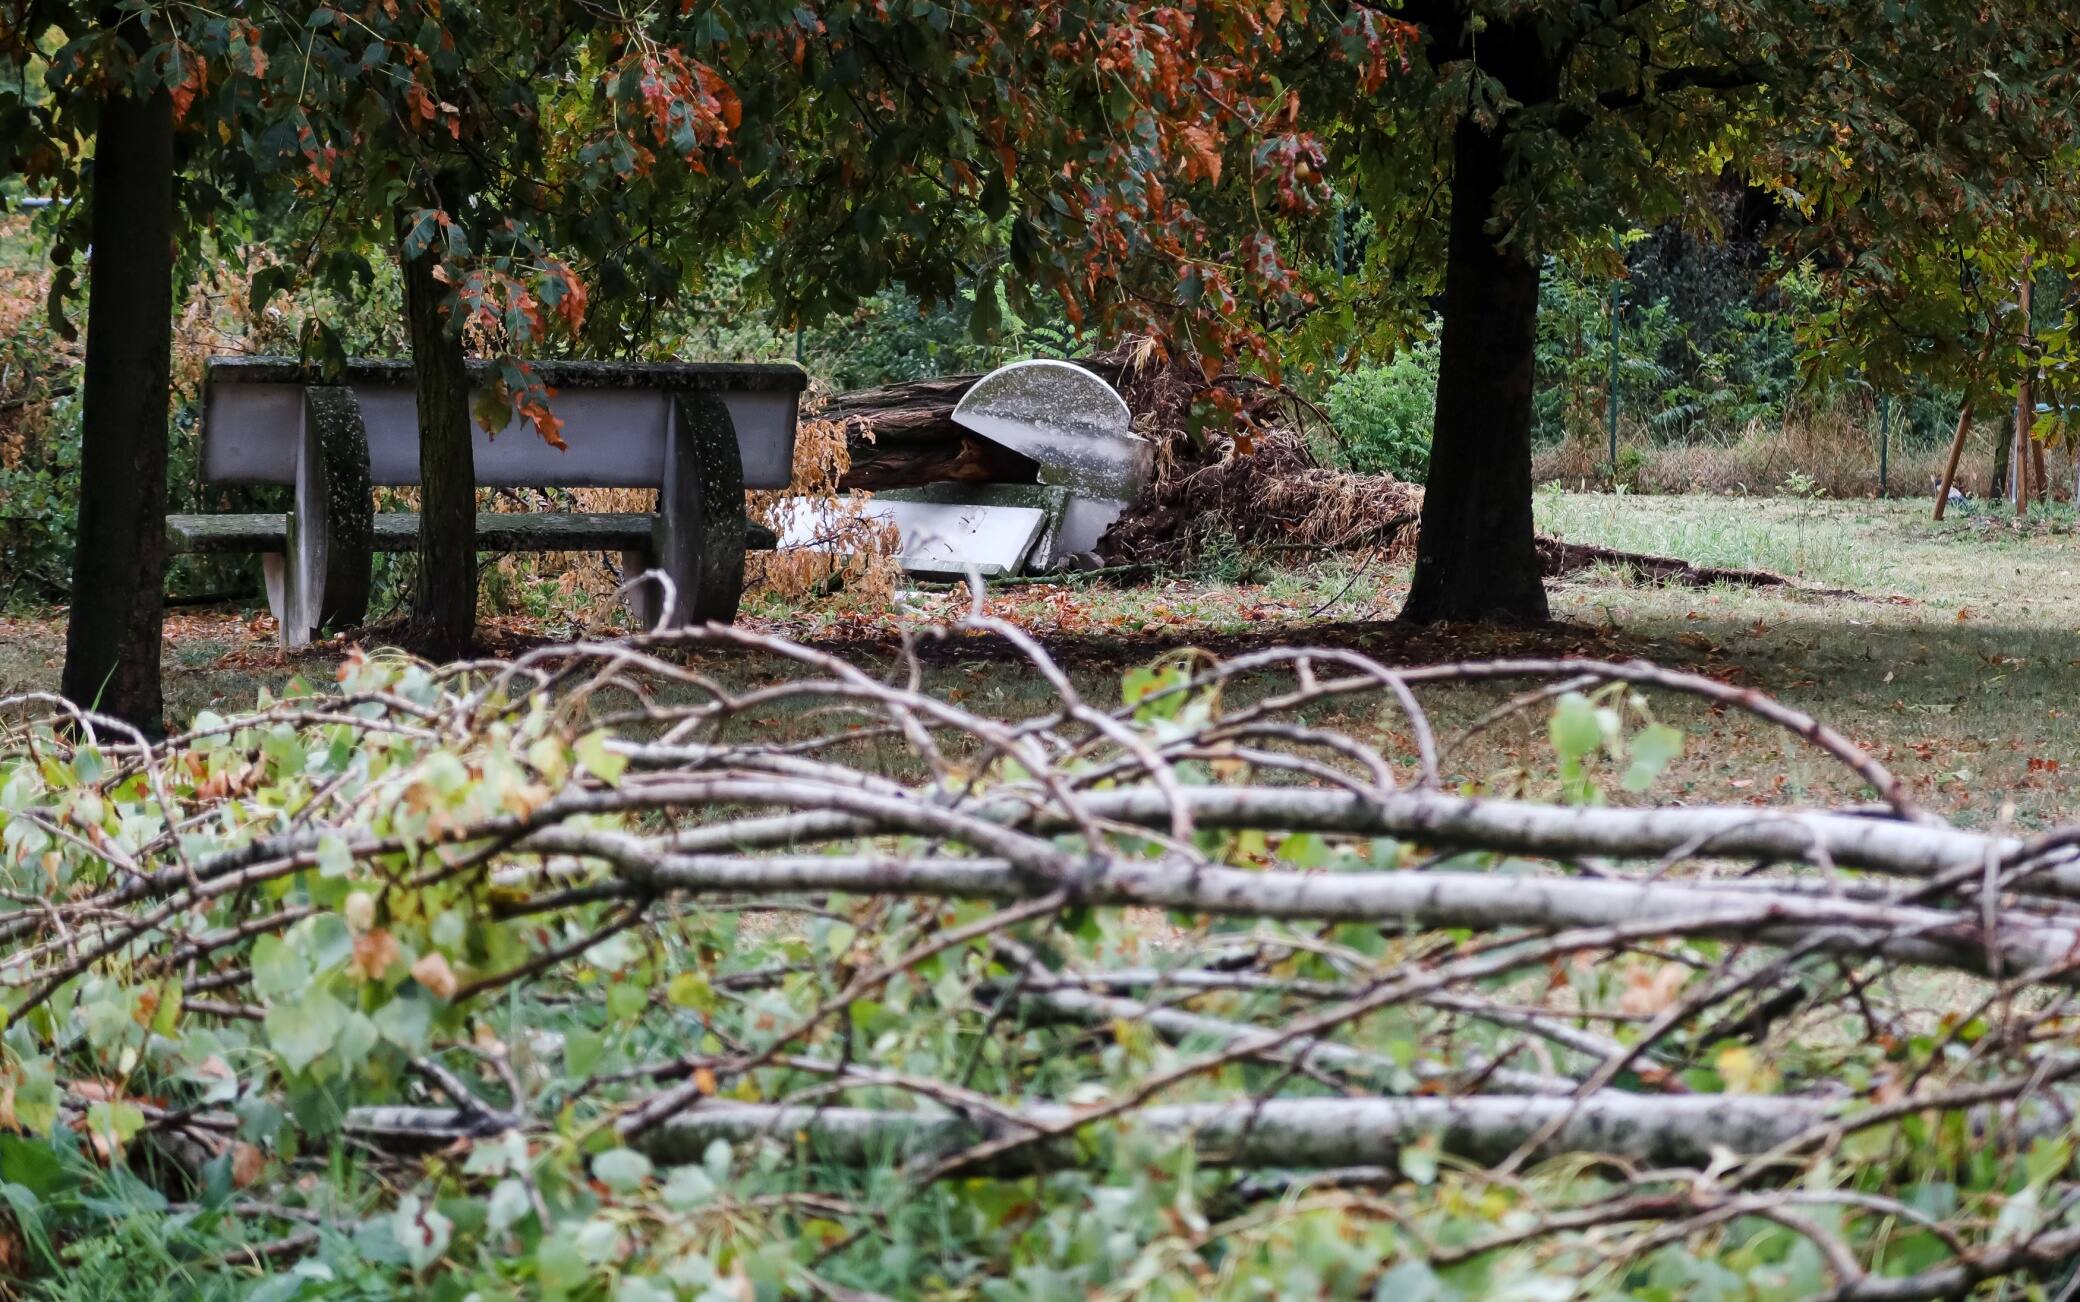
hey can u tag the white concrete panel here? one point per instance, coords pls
(936, 538)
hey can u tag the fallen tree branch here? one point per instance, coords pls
(1420, 900)
(1650, 1131)
(1558, 557)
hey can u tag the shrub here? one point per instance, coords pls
(1384, 414)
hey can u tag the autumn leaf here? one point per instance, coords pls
(433, 972)
(1202, 159)
(374, 953)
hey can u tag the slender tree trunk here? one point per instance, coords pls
(444, 602)
(2000, 485)
(119, 562)
(1475, 557)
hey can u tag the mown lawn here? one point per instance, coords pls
(1955, 662)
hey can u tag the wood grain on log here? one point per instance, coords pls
(903, 435)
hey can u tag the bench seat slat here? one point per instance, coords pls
(212, 535)
(398, 531)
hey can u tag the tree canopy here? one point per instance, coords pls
(1915, 153)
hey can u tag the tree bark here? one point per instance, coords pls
(1475, 557)
(1485, 902)
(1429, 818)
(112, 640)
(903, 435)
(1654, 1131)
(1998, 485)
(444, 602)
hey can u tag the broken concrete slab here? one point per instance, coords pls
(1053, 499)
(1079, 431)
(937, 539)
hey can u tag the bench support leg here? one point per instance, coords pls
(644, 601)
(700, 525)
(274, 574)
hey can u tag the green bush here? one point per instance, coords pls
(1384, 414)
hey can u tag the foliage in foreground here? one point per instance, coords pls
(583, 976)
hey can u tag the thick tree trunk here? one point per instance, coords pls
(119, 564)
(444, 602)
(1475, 556)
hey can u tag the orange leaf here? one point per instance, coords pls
(433, 972)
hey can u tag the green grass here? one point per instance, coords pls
(1808, 538)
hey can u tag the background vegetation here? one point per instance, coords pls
(1713, 390)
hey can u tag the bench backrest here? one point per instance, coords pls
(616, 419)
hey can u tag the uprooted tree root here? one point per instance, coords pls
(475, 929)
(1274, 496)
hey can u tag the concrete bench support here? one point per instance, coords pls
(699, 536)
(331, 531)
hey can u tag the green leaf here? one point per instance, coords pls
(119, 1121)
(267, 282)
(691, 990)
(596, 759)
(1652, 750)
(166, 1019)
(420, 236)
(333, 857)
(557, 1266)
(582, 1050)
(688, 1187)
(302, 1032)
(1304, 850)
(422, 1232)
(1418, 1160)
(621, 1169)
(32, 1164)
(278, 969)
(406, 1022)
(986, 318)
(509, 1204)
(1138, 684)
(626, 1000)
(1575, 731)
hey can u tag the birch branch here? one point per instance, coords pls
(1647, 1130)
(1422, 900)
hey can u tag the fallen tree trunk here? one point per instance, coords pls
(1559, 557)
(903, 435)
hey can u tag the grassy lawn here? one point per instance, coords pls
(1954, 664)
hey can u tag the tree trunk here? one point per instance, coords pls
(444, 601)
(1999, 484)
(903, 435)
(119, 562)
(1475, 557)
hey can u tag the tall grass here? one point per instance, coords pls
(1834, 450)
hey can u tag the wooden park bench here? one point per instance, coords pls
(700, 434)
